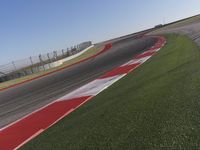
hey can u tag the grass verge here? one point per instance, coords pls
(155, 107)
(85, 55)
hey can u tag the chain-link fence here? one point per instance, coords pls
(35, 64)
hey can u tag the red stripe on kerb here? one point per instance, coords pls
(17, 133)
(121, 70)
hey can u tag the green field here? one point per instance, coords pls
(85, 55)
(155, 107)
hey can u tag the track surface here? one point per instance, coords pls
(192, 30)
(23, 99)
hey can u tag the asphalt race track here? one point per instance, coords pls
(191, 30)
(23, 99)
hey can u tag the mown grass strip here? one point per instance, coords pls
(155, 107)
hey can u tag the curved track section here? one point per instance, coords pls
(23, 99)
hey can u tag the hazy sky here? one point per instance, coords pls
(31, 27)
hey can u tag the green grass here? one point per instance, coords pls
(155, 107)
(87, 54)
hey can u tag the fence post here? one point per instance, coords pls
(49, 60)
(41, 61)
(78, 48)
(71, 51)
(15, 68)
(55, 54)
(31, 64)
(63, 53)
(68, 52)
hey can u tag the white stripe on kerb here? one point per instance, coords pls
(92, 88)
(135, 61)
(157, 49)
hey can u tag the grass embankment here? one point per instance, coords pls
(155, 107)
(87, 54)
